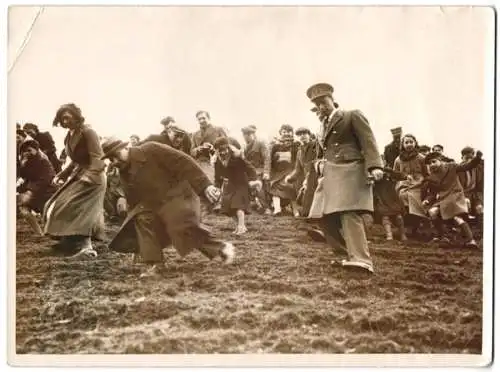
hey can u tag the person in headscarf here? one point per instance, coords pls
(46, 142)
(75, 212)
(36, 172)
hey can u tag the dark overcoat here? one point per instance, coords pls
(167, 182)
(238, 172)
(48, 146)
(37, 173)
(391, 152)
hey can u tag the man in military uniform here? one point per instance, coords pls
(350, 160)
(391, 151)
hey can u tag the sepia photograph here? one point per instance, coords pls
(250, 185)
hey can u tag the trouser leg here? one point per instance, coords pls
(149, 245)
(355, 239)
(331, 226)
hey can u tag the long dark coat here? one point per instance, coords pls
(238, 173)
(391, 152)
(77, 207)
(167, 182)
(48, 146)
(37, 173)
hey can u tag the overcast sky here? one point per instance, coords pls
(420, 68)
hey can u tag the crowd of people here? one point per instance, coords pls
(161, 188)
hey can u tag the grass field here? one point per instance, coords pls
(282, 295)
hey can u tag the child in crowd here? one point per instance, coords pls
(411, 164)
(236, 176)
(444, 194)
(472, 183)
(387, 205)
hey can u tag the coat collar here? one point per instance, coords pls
(74, 138)
(137, 159)
(335, 118)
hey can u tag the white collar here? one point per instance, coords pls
(335, 110)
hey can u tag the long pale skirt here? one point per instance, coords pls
(75, 209)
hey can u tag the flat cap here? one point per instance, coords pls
(301, 130)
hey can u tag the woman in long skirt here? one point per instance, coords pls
(75, 211)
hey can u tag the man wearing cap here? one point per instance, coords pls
(306, 155)
(257, 153)
(203, 142)
(391, 151)
(350, 159)
(172, 136)
(47, 145)
(163, 188)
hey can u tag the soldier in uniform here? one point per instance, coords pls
(350, 159)
(391, 151)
